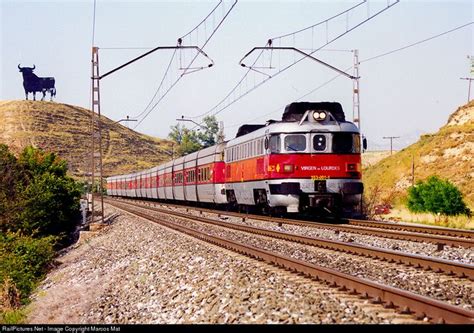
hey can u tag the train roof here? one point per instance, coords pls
(295, 127)
(295, 111)
(248, 128)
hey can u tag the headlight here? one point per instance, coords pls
(319, 115)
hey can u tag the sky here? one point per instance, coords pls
(405, 93)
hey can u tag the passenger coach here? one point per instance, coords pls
(308, 161)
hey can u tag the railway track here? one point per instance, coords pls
(402, 300)
(435, 235)
(429, 263)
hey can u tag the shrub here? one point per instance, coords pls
(24, 260)
(50, 206)
(36, 195)
(436, 196)
(39, 208)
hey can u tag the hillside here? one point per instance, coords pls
(65, 129)
(449, 153)
(372, 157)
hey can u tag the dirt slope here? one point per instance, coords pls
(449, 153)
(65, 129)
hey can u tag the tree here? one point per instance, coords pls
(209, 135)
(436, 196)
(50, 205)
(36, 162)
(189, 141)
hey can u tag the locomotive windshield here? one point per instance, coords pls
(344, 143)
(295, 142)
(335, 142)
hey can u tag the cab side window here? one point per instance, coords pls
(275, 144)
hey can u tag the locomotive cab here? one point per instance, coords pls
(314, 161)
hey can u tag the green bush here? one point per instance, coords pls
(24, 260)
(50, 206)
(436, 196)
(37, 197)
(39, 209)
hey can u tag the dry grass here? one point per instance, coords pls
(401, 213)
(10, 303)
(65, 129)
(447, 154)
(373, 157)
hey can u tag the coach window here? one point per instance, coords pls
(295, 142)
(274, 144)
(319, 142)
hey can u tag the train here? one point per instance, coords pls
(309, 162)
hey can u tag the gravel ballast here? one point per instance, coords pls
(460, 254)
(139, 272)
(455, 291)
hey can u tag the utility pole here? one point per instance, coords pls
(355, 91)
(391, 141)
(470, 79)
(96, 132)
(96, 127)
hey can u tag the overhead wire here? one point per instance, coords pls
(389, 5)
(258, 57)
(362, 61)
(159, 87)
(417, 43)
(203, 21)
(192, 61)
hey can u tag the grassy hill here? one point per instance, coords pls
(449, 153)
(65, 129)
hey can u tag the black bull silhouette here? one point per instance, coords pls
(33, 83)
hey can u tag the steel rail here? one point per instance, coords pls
(404, 301)
(418, 261)
(415, 228)
(370, 229)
